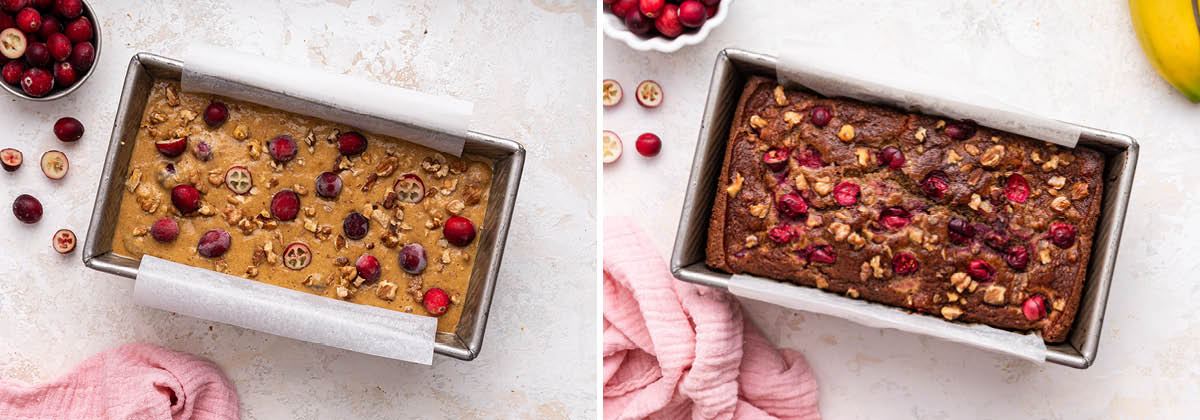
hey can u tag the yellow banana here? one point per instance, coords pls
(1169, 31)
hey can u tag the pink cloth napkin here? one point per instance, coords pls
(133, 381)
(675, 350)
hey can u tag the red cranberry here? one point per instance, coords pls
(41, 4)
(368, 268)
(459, 231)
(780, 234)
(1016, 189)
(215, 114)
(12, 6)
(1034, 307)
(37, 54)
(692, 14)
(65, 74)
(1017, 257)
(1062, 235)
(68, 129)
(59, 47)
(711, 3)
(436, 301)
(820, 116)
(960, 231)
(13, 70)
(637, 23)
(935, 184)
(27, 209)
(164, 230)
(846, 193)
(648, 144)
(412, 258)
(961, 130)
(78, 30)
(69, 9)
(351, 143)
(894, 218)
(904, 264)
(29, 20)
(356, 226)
(202, 151)
(891, 157)
(776, 158)
(83, 55)
(329, 185)
(186, 198)
(6, 22)
(668, 24)
(214, 243)
(37, 82)
(282, 148)
(810, 157)
(792, 205)
(622, 7)
(285, 205)
(996, 239)
(819, 253)
(979, 270)
(50, 26)
(652, 8)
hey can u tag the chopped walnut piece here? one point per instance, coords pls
(140, 231)
(389, 240)
(951, 312)
(315, 281)
(757, 122)
(994, 294)
(792, 118)
(759, 210)
(971, 149)
(976, 201)
(916, 235)
(1060, 204)
(343, 292)
(157, 117)
(780, 97)
(952, 157)
(920, 135)
(348, 272)
(455, 207)
(751, 241)
(1059, 304)
(801, 183)
(735, 186)
(846, 133)
(960, 280)
(992, 157)
(251, 272)
(1057, 182)
(823, 185)
(1051, 164)
(386, 290)
(1079, 191)
(951, 297)
(856, 240)
(339, 243)
(866, 159)
(940, 124)
(187, 115)
(840, 230)
(172, 96)
(876, 267)
(135, 179)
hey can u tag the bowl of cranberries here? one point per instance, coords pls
(662, 25)
(47, 47)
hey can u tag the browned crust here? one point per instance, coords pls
(716, 223)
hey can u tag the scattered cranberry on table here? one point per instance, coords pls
(54, 40)
(27, 209)
(666, 18)
(648, 144)
(68, 129)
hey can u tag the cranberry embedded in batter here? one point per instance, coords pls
(819, 253)
(960, 231)
(935, 184)
(436, 301)
(894, 218)
(285, 205)
(164, 230)
(1034, 307)
(1017, 257)
(1062, 235)
(979, 270)
(215, 114)
(351, 143)
(776, 158)
(891, 157)
(780, 234)
(355, 225)
(368, 268)
(214, 243)
(186, 198)
(846, 193)
(459, 231)
(820, 116)
(791, 205)
(1016, 189)
(904, 264)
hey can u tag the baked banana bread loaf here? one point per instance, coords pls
(938, 216)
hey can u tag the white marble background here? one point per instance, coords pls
(1075, 60)
(527, 66)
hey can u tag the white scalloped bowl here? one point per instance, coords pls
(614, 27)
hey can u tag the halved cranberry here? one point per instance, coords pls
(960, 231)
(285, 205)
(13, 43)
(846, 193)
(63, 241)
(459, 231)
(692, 14)
(1062, 235)
(436, 301)
(891, 157)
(282, 148)
(1017, 257)
(409, 188)
(239, 180)
(55, 164)
(329, 185)
(297, 256)
(68, 129)
(37, 82)
(27, 209)
(83, 54)
(960, 130)
(776, 158)
(820, 116)
(13, 70)
(69, 9)
(810, 157)
(59, 46)
(649, 94)
(171, 147)
(791, 205)
(355, 225)
(412, 258)
(38, 55)
(78, 30)
(164, 230)
(894, 218)
(904, 264)
(935, 184)
(1034, 307)
(11, 159)
(351, 143)
(186, 198)
(215, 114)
(819, 253)
(29, 20)
(979, 270)
(65, 74)
(214, 243)
(780, 234)
(1016, 189)
(368, 268)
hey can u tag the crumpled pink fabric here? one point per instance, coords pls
(132, 381)
(675, 350)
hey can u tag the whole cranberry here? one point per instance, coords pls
(780, 234)
(215, 114)
(83, 54)
(819, 253)
(820, 116)
(78, 30)
(961, 130)
(13, 70)
(412, 258)
(69, 9)
(638, 23)
(12, 6)
(68, 129)
(186, 198)
(368, 268)
(1062, 235)
(894, 218)
(459, 231)
(285, 205)
(27, 209)
(776, 158)
(164, 230)
(59, 46)
(960, 231)
(904, 264)
(622, 7)
(668, 23)
(846, 193)
(41, 4)
(214, 243)
(50, 26)
(37, 82)
(810, 157)
(1034, 307)
(6, 22)
(711, 3)
(979, 270)
(37, 54)
(351, 143)
(356, 226)
(891, 157)
(329, 184)
(1017, 257)
(65, 74)
(436, 301)
(935, 184)
(29, 20)
(648, 144)
(791, 205)
(1016, 189)
(282, 148)
(692, 14)
(652, 8)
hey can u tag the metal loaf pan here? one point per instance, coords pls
(507, 157)
(729, 76)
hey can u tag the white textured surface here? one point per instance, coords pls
(1075, 60)
(56, 312)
